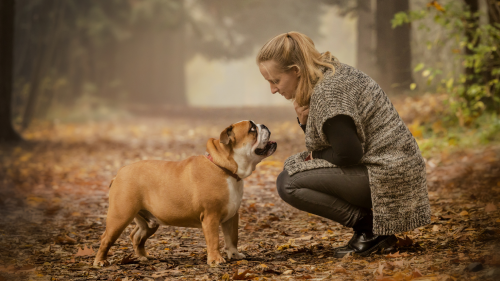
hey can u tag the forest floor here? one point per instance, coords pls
(54, 198)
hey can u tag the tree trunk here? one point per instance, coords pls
(393, 47)
(43, 61)
(7, 15)
(365, 53)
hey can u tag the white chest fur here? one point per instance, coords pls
(235, 189)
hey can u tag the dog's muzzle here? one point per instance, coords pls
(269, 147)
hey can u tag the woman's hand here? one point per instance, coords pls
(302, 112)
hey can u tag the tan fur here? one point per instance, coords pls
(189, 193)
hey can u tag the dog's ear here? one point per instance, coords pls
(225, 136)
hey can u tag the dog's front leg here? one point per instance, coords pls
(230, 230)
(210, 226)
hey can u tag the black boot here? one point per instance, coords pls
(364, 242)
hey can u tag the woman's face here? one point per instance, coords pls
(284, 83)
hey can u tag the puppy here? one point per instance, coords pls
(202, 191)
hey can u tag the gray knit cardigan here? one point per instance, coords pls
(395, 165)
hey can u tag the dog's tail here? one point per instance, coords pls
(112, 182)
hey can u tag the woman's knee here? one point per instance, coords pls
(283, 185)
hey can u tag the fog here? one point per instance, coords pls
(76, 60)
(239, 82)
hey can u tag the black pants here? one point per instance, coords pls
(340, 194)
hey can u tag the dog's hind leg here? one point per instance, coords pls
(146, 226)
(116, 222)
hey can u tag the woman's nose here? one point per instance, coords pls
(274, 89)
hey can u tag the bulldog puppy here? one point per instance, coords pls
(202, 191)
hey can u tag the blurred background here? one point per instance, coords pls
(86, 60)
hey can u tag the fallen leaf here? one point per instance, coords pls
(416, 273)
(396, 255)
(283, 247)
(128, 260)
(400, 276)
(85, 252)
(490, 207)
(278, 164)
(64, 240)
(47, 250)
(464, 213)
(404, 242)
(385, 278)
(288, 272)
(242, 262)
(26, 268)
(35, 201)
(251, 208)
(270, 271)
(435, 228)
(242, 276)
(264, 226)
(339, 270)
(273, 218)
(309, 237)
(380, 270)
(225, 277)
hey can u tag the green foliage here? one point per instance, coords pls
(484, 130)
(474, 46)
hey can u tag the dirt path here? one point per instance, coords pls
(54, 200)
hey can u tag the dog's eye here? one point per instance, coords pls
(252, 129)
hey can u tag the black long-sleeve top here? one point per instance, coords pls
(345, 145)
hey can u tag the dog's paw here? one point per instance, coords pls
(235, 255)
(101, 263)
(146, 258)
(216, 260)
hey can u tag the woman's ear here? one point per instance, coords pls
(296, 70)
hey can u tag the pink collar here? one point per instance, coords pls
(209, 157)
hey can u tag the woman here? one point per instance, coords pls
(363, 168)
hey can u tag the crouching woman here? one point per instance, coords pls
(363, 168)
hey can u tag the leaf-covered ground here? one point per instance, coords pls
(54, 191)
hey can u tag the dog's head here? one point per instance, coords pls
(241, 147)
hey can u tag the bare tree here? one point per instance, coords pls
(365, 53)
(7, 13)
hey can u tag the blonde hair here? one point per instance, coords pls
(297, 49)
